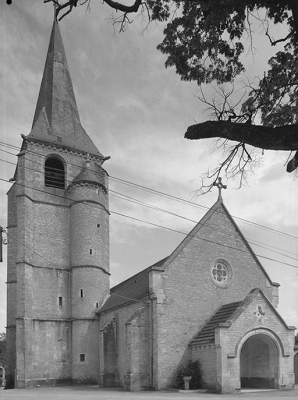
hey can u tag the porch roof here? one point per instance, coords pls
(222, 315)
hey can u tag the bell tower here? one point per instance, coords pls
(58, 240)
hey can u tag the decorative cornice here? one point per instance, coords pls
(65, 149)
(70, 319)
(90, 266)
(87, 183)
(89, 201)
(40, 266)
(45, 202)
(44, 319)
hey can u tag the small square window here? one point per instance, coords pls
(60, 301)
(98, 225)
(81, 292)
(82, 357)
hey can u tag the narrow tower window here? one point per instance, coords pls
(54, 173)
(82, 292)
(91, 251)
(82, 357)
(60, 301)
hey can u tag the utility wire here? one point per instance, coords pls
(141, 203)
(128, 198)
(144, 188)
(170, 197)
(136, 201)
(166, 228)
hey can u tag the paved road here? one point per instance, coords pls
(93, 392)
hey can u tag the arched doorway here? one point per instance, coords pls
(259, 362)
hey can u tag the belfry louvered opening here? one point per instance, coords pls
(54, 173)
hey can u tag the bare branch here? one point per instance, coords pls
(274, 42)
(238, 164)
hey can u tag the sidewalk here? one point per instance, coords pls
(93, 392)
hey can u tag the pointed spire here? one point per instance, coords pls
(56, 104)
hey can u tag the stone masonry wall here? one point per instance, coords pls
(253, 324)
(138, 345)
(122, 316)
(207, 355)
(41, 289)
(188, 296)
(43, 347)
(85, 340)
(12, 247)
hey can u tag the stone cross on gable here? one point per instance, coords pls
(220, 186)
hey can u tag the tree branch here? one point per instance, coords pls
(122, 7)
(274, 42)
(237, 163)
(264, 137)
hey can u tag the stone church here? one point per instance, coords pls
(209, 300)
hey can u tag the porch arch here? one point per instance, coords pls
(259, 354)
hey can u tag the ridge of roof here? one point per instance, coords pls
(56, 118)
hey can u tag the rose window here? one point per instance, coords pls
(220, 273)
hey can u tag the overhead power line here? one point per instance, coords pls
(163, 227)
(144, 204)
(175, 198)
(141, 203)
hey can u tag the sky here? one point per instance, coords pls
(137, 112)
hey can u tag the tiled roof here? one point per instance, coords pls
(207, 334)
(133, 288)
(90, 176)
(56, 119)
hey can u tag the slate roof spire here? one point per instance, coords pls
(56, 117)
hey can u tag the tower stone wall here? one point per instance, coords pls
(58, 240)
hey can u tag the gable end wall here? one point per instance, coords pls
(188, 297)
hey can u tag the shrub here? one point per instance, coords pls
(193, 369)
